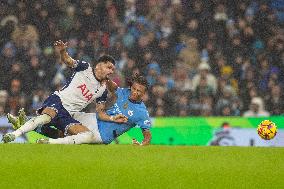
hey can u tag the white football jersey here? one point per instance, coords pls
(82, 89)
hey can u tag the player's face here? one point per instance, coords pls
(104, 70)
(137, 91)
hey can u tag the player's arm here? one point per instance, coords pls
(147, 138)
(68, 60)
(111, 86)
(111, 99)
(112, 96)
(102, 115)
(145, 126)
(102, 103)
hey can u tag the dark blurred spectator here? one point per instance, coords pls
(203, 89)
(16, 98)
(275, 101)
(15, 72)
(37, 99)
(181, 78)
(262, 23)
(165, 56)
(265, 73)
(7, 26)
(36, 77)
(3, 101)
(25, 35)
(204, 72)
(129, 68)
(206, 106)
(227, 104)
(189, 55)
(7, 58)
(183, 105)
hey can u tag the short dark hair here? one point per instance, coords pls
(136, 78)
(106, 58)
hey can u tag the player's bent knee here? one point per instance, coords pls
(49, 111)
(78, 128)
(41, 119)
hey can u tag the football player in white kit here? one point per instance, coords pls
(86, 85)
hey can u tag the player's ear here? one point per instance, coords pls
(144, 92)
(144, 89)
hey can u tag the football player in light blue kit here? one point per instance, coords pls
(129, 103)
(125, 101)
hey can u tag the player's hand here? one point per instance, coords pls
(135, 142)
(60, 45)
(120, 118)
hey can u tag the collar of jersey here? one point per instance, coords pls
(135, 102)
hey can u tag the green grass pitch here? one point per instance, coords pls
(126, 166)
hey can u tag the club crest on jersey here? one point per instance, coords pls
(147, 122)
(125, 106)
(130, 112)
(85, 92)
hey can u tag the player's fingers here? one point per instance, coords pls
(57, 43)
(124, 117)
(118, 120)
(123, 121)
(121, 116)
(135, 142)
(116, 116)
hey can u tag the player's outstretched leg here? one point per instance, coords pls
(80, 134)
(28, 126)
(80, 138)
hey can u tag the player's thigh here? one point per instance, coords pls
(77, 128)
(51, 106)
(87, 119)
(67, 124)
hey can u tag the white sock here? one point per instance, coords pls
(80, 138)
(32, 124)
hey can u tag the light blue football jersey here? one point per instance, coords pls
(135, 111)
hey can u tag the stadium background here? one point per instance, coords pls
(201, 58)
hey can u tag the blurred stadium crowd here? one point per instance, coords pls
(201, 58)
